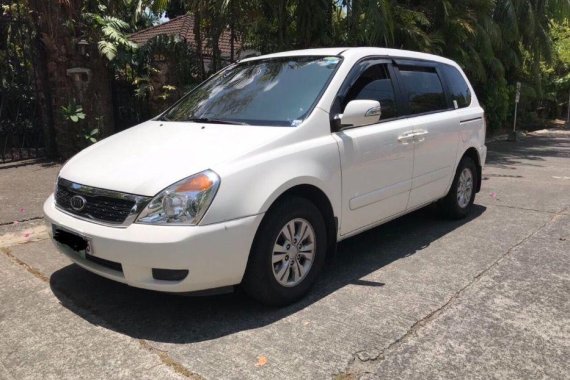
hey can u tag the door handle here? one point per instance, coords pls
(406, 137)
(419, 135)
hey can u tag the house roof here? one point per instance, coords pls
(183, 26)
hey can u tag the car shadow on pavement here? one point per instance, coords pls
(170, 318)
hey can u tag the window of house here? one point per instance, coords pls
(424, 89)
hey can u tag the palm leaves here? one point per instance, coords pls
(496, 41)
(113, 34)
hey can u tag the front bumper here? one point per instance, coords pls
(215, 255)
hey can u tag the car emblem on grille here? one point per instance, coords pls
(77, 202)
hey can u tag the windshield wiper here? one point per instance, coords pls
(211, 120)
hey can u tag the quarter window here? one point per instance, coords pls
(424, 89)
(458, 88)
(375, 84)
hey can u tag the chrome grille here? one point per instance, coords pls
(99, 205)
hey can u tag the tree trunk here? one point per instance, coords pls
(216, 30)
(329, 21)
(199, 42)
(282, 23)
(352, 18)
(44, 101)
(216, 56)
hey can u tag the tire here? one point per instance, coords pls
(297, 273)
(457, 203)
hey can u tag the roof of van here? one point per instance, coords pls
(357, 52)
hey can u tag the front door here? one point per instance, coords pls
(376, 160)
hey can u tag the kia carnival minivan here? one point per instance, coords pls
(258, 172)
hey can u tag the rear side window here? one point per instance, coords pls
(424, 89)
(375, 84)
(458, 88)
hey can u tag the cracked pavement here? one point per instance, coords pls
(420, 297)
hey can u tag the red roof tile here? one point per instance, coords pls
(183, 26)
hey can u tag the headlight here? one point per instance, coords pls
(183, 203)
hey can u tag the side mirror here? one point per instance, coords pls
(358, 113)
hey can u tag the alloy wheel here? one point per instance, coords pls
(293, 252)
(465, 188)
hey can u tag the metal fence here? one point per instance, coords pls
(21, 134)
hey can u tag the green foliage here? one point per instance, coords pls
(561, 38)
(556, 74)
(91, 136)
(561, 44)
(73, 112)
(166, 51)
(113, 34)
(167, 92)
(497, 101)
(159, 72)
(17, 90)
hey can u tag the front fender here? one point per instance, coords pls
(250, 185)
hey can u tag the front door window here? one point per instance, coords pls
(375, 84)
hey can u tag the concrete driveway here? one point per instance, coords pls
(420, 297)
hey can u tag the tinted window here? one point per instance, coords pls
(458, 88)
(375, 84)
(278, 91)
(424, 89)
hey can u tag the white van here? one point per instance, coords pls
(259, 171)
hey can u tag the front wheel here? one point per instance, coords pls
(458, 202)
(287, 254)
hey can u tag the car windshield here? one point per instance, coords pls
(273, 92)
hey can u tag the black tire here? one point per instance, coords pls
(259, 281)
(450, 205)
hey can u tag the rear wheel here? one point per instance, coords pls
(288, 253)
(459, 201)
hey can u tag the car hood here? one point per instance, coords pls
(147, 158)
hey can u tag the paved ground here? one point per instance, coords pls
(487, 297)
